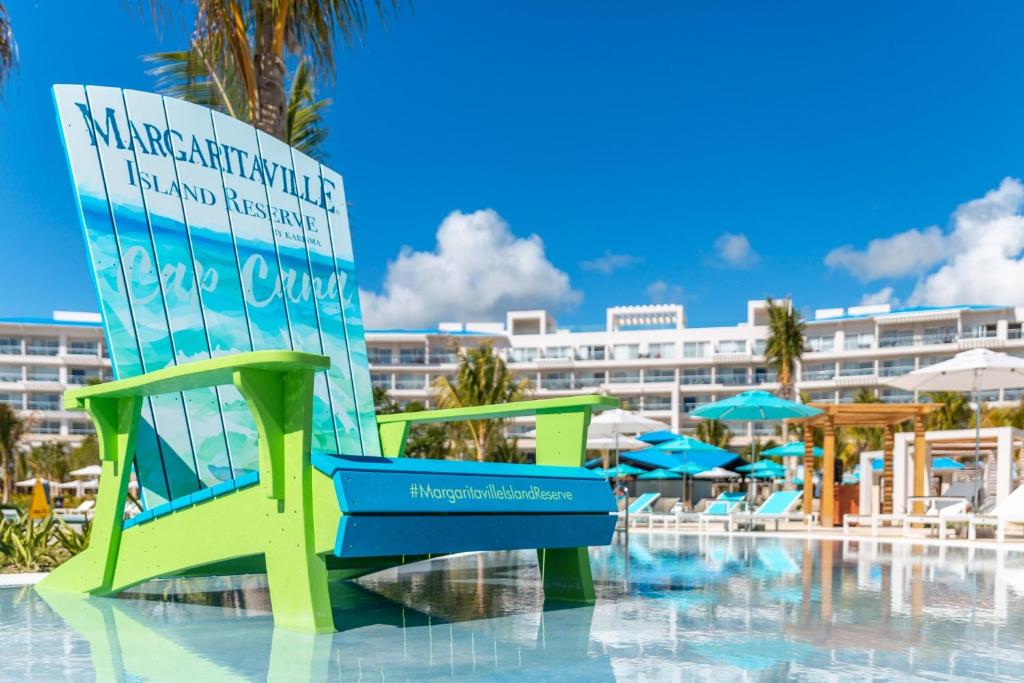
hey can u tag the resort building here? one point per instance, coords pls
(651, 359)
(39, 359)
(646, 355)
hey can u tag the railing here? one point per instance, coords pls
(410, 384)
(556, 384)
(412, 359)
(1013, 333)
(696, 379)
(625, 379)
(443, 358)
(10, 348)
(894, 370)
(856, 372)
(659, 379)
(37, 404)
(589, 382)
(42, 377)
(41, 349)
(732, 379)
(817, 375)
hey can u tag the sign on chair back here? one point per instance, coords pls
(207, 238)
(223, 265)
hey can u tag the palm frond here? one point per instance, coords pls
(8, 47)
(305, 128)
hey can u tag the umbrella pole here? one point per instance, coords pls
(977, 442)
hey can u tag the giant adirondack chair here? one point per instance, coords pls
(223, 266)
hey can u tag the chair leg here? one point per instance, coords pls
(566, 574)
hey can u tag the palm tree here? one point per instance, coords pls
(11, 430)
(954, 413)
(785, 344)
(48, 460)
(1010, 416)
(187, 75)
(8, 48)
(482, 379)
(864, 438)
(713, 432)
(243, 45)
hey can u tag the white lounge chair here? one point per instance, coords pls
(76, 515)
(939, 516)
(640, 506)
(1008, 512)
(721, 510)
(778, 507)
(10, 515)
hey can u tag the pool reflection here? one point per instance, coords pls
(669, 606)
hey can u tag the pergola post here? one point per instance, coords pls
(920, 450)
(887, 446)
(828, 474)
(808, 470)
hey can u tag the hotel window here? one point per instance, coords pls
(848, 395)
(662, 350)
(1013, 331)
(759, 346)
(695, 349)
(42, 373)
(12, 400)
(856, 341)
(45, 427)
(894, 367)
(626, 351)
(587, 380)
(893, 338)
(925, 361)
(524, 355)
(413, 356)
(657, 403)
(697, 376)
(625, 376)
(940, 335)
(378, 356)
(659, 375)
(380, 380)
(518, 428)
(82, 348)
(590, 352)
(821, 343)
(857, 368)
(556, 380)
(980, 331)
(80, 427)
(732, 346)
(10, 373)
(821, 396)
(817, 371)
(731, 376)
(688, 404)
(44, 402)
(762, 429)
(764, 376)
(42, 347)
(558, 352)
(443, 356)
(410, 382)
(1013, 394)
(10, 346)
(896, 396)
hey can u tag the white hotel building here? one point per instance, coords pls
(645, 355)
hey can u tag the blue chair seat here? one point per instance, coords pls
(196, 498)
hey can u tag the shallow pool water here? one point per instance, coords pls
(669, 608)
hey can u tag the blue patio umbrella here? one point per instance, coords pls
(660, 436)
(945, 464)
(620, 471)
(793, 449)
(688, 469)
(686, 444)
(761, 466)
(751, 406)
(660, 474)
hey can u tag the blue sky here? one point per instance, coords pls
(702, 153)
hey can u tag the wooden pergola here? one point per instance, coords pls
(884, 415)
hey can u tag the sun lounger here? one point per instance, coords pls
(10, 515)
(663, 511)
(244, 402)
(720, 510)
(76, 515)
(640, 505)
(778, 507)
(941, 516)
(960, 492)
(1009, 512)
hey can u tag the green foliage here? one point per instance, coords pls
(482, 379)
(29, 545)
(427, 440)
(713, 432)
(71, 540)
(8, 48)
(863, 438)
(785, 344)
(11, 430)
(954, 413)
(48, 460)
(1010, 416)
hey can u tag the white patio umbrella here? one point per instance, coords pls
(29, 483)
(604, 443)
(617, 423)
(976, 370)
(716, 473)
(87, 471)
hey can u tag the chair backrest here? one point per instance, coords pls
(642, 502)
(207, 237)
(1012, 505)
(663, 504)
(779, 503)
(721, 508)
(732, 495)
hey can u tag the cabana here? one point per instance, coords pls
(884, 415)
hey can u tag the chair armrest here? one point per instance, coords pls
(503, 410)
(195, 375)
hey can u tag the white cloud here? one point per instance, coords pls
(477, 270)
(661, 292)
(882, 296)
(907, 253)
(734, 250)
(984, 264)
(610, 262)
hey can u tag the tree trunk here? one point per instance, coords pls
(7, 475)
(271, 103)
